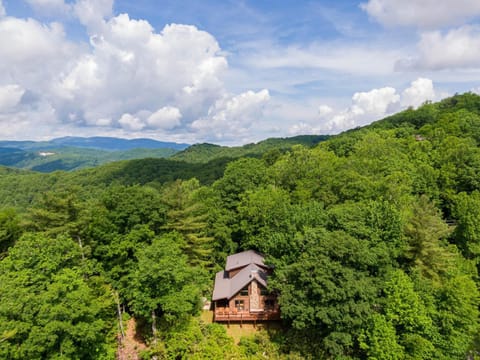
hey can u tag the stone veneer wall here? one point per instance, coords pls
(254, 296)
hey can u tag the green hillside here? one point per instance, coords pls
(374, 236)
(205, 152)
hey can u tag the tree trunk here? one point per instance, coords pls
(81, 247)
(154, 327)
(119, 313)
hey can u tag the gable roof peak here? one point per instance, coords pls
(244, 258)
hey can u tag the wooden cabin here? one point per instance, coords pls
(240, 292)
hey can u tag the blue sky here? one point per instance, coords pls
(227, 72)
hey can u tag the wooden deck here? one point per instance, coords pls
(229, 316)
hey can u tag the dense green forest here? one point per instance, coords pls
(374, 235)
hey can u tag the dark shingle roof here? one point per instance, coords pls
(221, 289)
(243, 259)
(226, 288)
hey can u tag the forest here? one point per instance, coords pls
(374, 235)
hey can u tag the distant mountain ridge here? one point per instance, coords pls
(72, 153)
(97, 142)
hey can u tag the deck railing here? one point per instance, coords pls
(228, 315)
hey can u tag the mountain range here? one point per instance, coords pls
(72, 153)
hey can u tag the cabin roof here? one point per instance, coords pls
(226, 288)
(244, 258)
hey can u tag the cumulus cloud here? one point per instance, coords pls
(132, 68)
(422, 14)
(129, 77)
(231, 117)
(367, 107)
(458, 48)
(32, 53)
(92, 13)
(10, 96)
(168, 117)
(419, 91)
(375, 102)
(130, 122)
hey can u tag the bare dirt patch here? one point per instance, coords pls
(132, 344)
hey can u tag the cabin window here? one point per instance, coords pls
(244, 291)
(240, 305)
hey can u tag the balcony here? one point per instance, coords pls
(229, 315)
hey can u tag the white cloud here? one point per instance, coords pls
(324, 111)
(10, 96)
(129, 68)
(33, 54)
(168, 117)
(367, 107)
(302, 128)
(132, 68)
(421, 13)
(375, 102)
(458, 48)
(419, 91)
(104, 122)
(232, 117)
(92, 13)
(130, 122)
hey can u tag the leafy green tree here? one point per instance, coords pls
(458, 160)
(50, 306)
(262, 212)
(240, 176)
(129, 206)
(408, 313)
(10, 229)
(379, 340)
(466, 235)
(457, 315)
(328, 292)
(164, 285)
